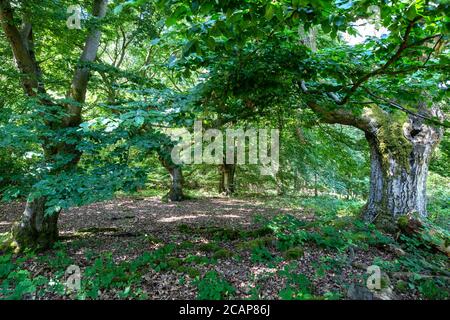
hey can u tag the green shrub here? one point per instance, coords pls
(213, 287)
(190, 271)
(434, 290)
(298, 286)
(261, 255)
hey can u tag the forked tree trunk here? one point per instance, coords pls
(36, 229)
(227, 183)
(399, 172)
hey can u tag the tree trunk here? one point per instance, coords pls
(36, 229)
(399, 170)
(401, 143)
(176, 176)
(176, 188)
(227, 183)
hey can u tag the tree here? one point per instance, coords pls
(400, 151)
(386, 87)
(38, 226)
(401, 141)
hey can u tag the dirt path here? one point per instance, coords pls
(133, 217)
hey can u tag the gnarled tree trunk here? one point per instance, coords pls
(399, 170)
(227, 175)
(36, 229)
(401, 146)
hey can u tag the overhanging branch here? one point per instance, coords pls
(405, 110)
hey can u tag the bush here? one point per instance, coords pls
(213, 287)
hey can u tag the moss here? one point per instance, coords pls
(293, 253)
(391, 140)
(184, 228)
(197, 259)
(186, 245)
(359, 236)
(401, 286)
(219, 233)
(212, 232)
(209, 247)
(222, 254)
(403, 222)
(191, 271)
(174, 263)
(386, 223)
(8, 244)
(152, 240)
(226, 234)
(385, 281)
(255, 243)
(260, 232)
(341, 223)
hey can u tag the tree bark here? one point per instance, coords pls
(399, 171)
(36, 229)
(400, 149)
(176, 176)
(227, 179)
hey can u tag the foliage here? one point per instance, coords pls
(298, 286)
(213, 287)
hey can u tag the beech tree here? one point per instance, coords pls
(401, 142)
(385, 93)
(38, 228)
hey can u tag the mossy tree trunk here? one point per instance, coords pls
(400, 155)
(227, 179)
(401, 142)
(398, 184)
(36, 229)
(401, 146)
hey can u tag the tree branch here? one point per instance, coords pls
(24, 58)
(338, 115)
(403, 46)
(403, 109)
(81, 76)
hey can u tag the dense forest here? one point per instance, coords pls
(224, 149)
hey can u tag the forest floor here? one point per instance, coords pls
(212, 247)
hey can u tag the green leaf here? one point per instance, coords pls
(269, 12)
